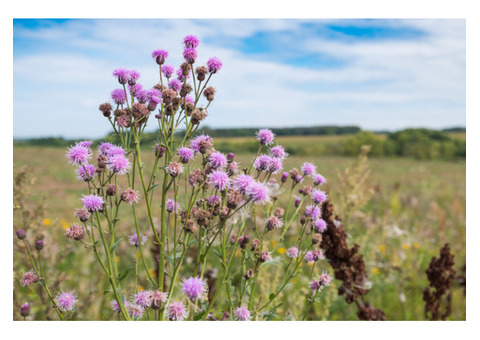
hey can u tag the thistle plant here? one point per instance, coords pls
(209, 226)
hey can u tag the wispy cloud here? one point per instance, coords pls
(378, 74)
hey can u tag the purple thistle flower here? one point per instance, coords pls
(317, 255)
(181, 76)
(154, 95)
(28, 278)
(130, 196)
(202, 143)
(118, 96)
(143, 299)
(133, 240)
(175, 84)
(177, 311)
(257, 192)
(86, 172)
(122, 75)
(135, 89)
(309, 257)
(157, 298)
(325, 279)
(265, 136)
(318, 196)
(318, 179)
(191, 41)
(160, 56)
(75, 232)
(174, 169)
(194, 288)
(273, 222)
(276, 164)
(168, 70)
(190, 54)
(186, 154)
(308, 169)
(284, 177)
(82, 214)
(214, 64)
(219, 180)
(66, 301)
(115, 306)
(242, 314)
(312, 211)
(278, 152)
(214, 200)
(85, 143)
(142, 96)
(92, 203)
(133, 76)
(135, 311)
(217, 160)
(104, 147)
(320, 225)
(78, 154)
(265, 256)
(315, 285)
(170, 205)
(118, 164)
(262, 162)
(292, 252)
(115, 150)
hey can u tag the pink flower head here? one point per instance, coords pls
(143, 298)
(194, 288)
(157, 298)
(186, 154)
(135, 311)
(85, 143)
(175, 84)
(262, 163)
(154, 95)
(217, 160)
(242, 314)
(219, 179)
(202, 143)
(278, 152)
(265, 136)
(86, 172)
(135, 89)
(118, 164)
(308, 169)
(318, 179)
(25, 310)
(214, 200)
(66, 301)
(190, 54)
(82, 214)
(273, 222)
(181, 76)
(168, 70)
(312, 211)
(171, 206)
(177, 311)
(257, 192)
(191, 41)
(28, 278)
(275, 165)
(317, 255)
(115, 150)
(315, 285)
(318, 196)
(122, 75)
(115, 306)
(309, 257)
(214, 64)
(320, 225)
(118, 96)
(242, 182)
(79, 154)
(142, 96)
(174, 169)
(133, 240)
(104, 148)
(133, 76)
(292, 252)
(160, 56)
(265, 256)
(130, 196)
(325, 279)
(92, 203)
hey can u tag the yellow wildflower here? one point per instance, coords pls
(47, 221)
(405, 246)
(416, 245)
(375, 270)
(281, 250)
(382, 248)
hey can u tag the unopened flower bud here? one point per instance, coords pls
(233, 238)
(284, 177)
(316, 238)
(21, 234)
(297, 202)
(111, 190)
(255, 244)
(230, 157)
(25, 310)
(249, 274)
(39, 245)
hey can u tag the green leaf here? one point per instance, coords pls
(115, 245)
(123, 275)
(272, 296)
(216, 252)
(153, 186)
(199, 316)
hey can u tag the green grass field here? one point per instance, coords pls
(410, 209)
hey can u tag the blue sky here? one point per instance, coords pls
(377, 74)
